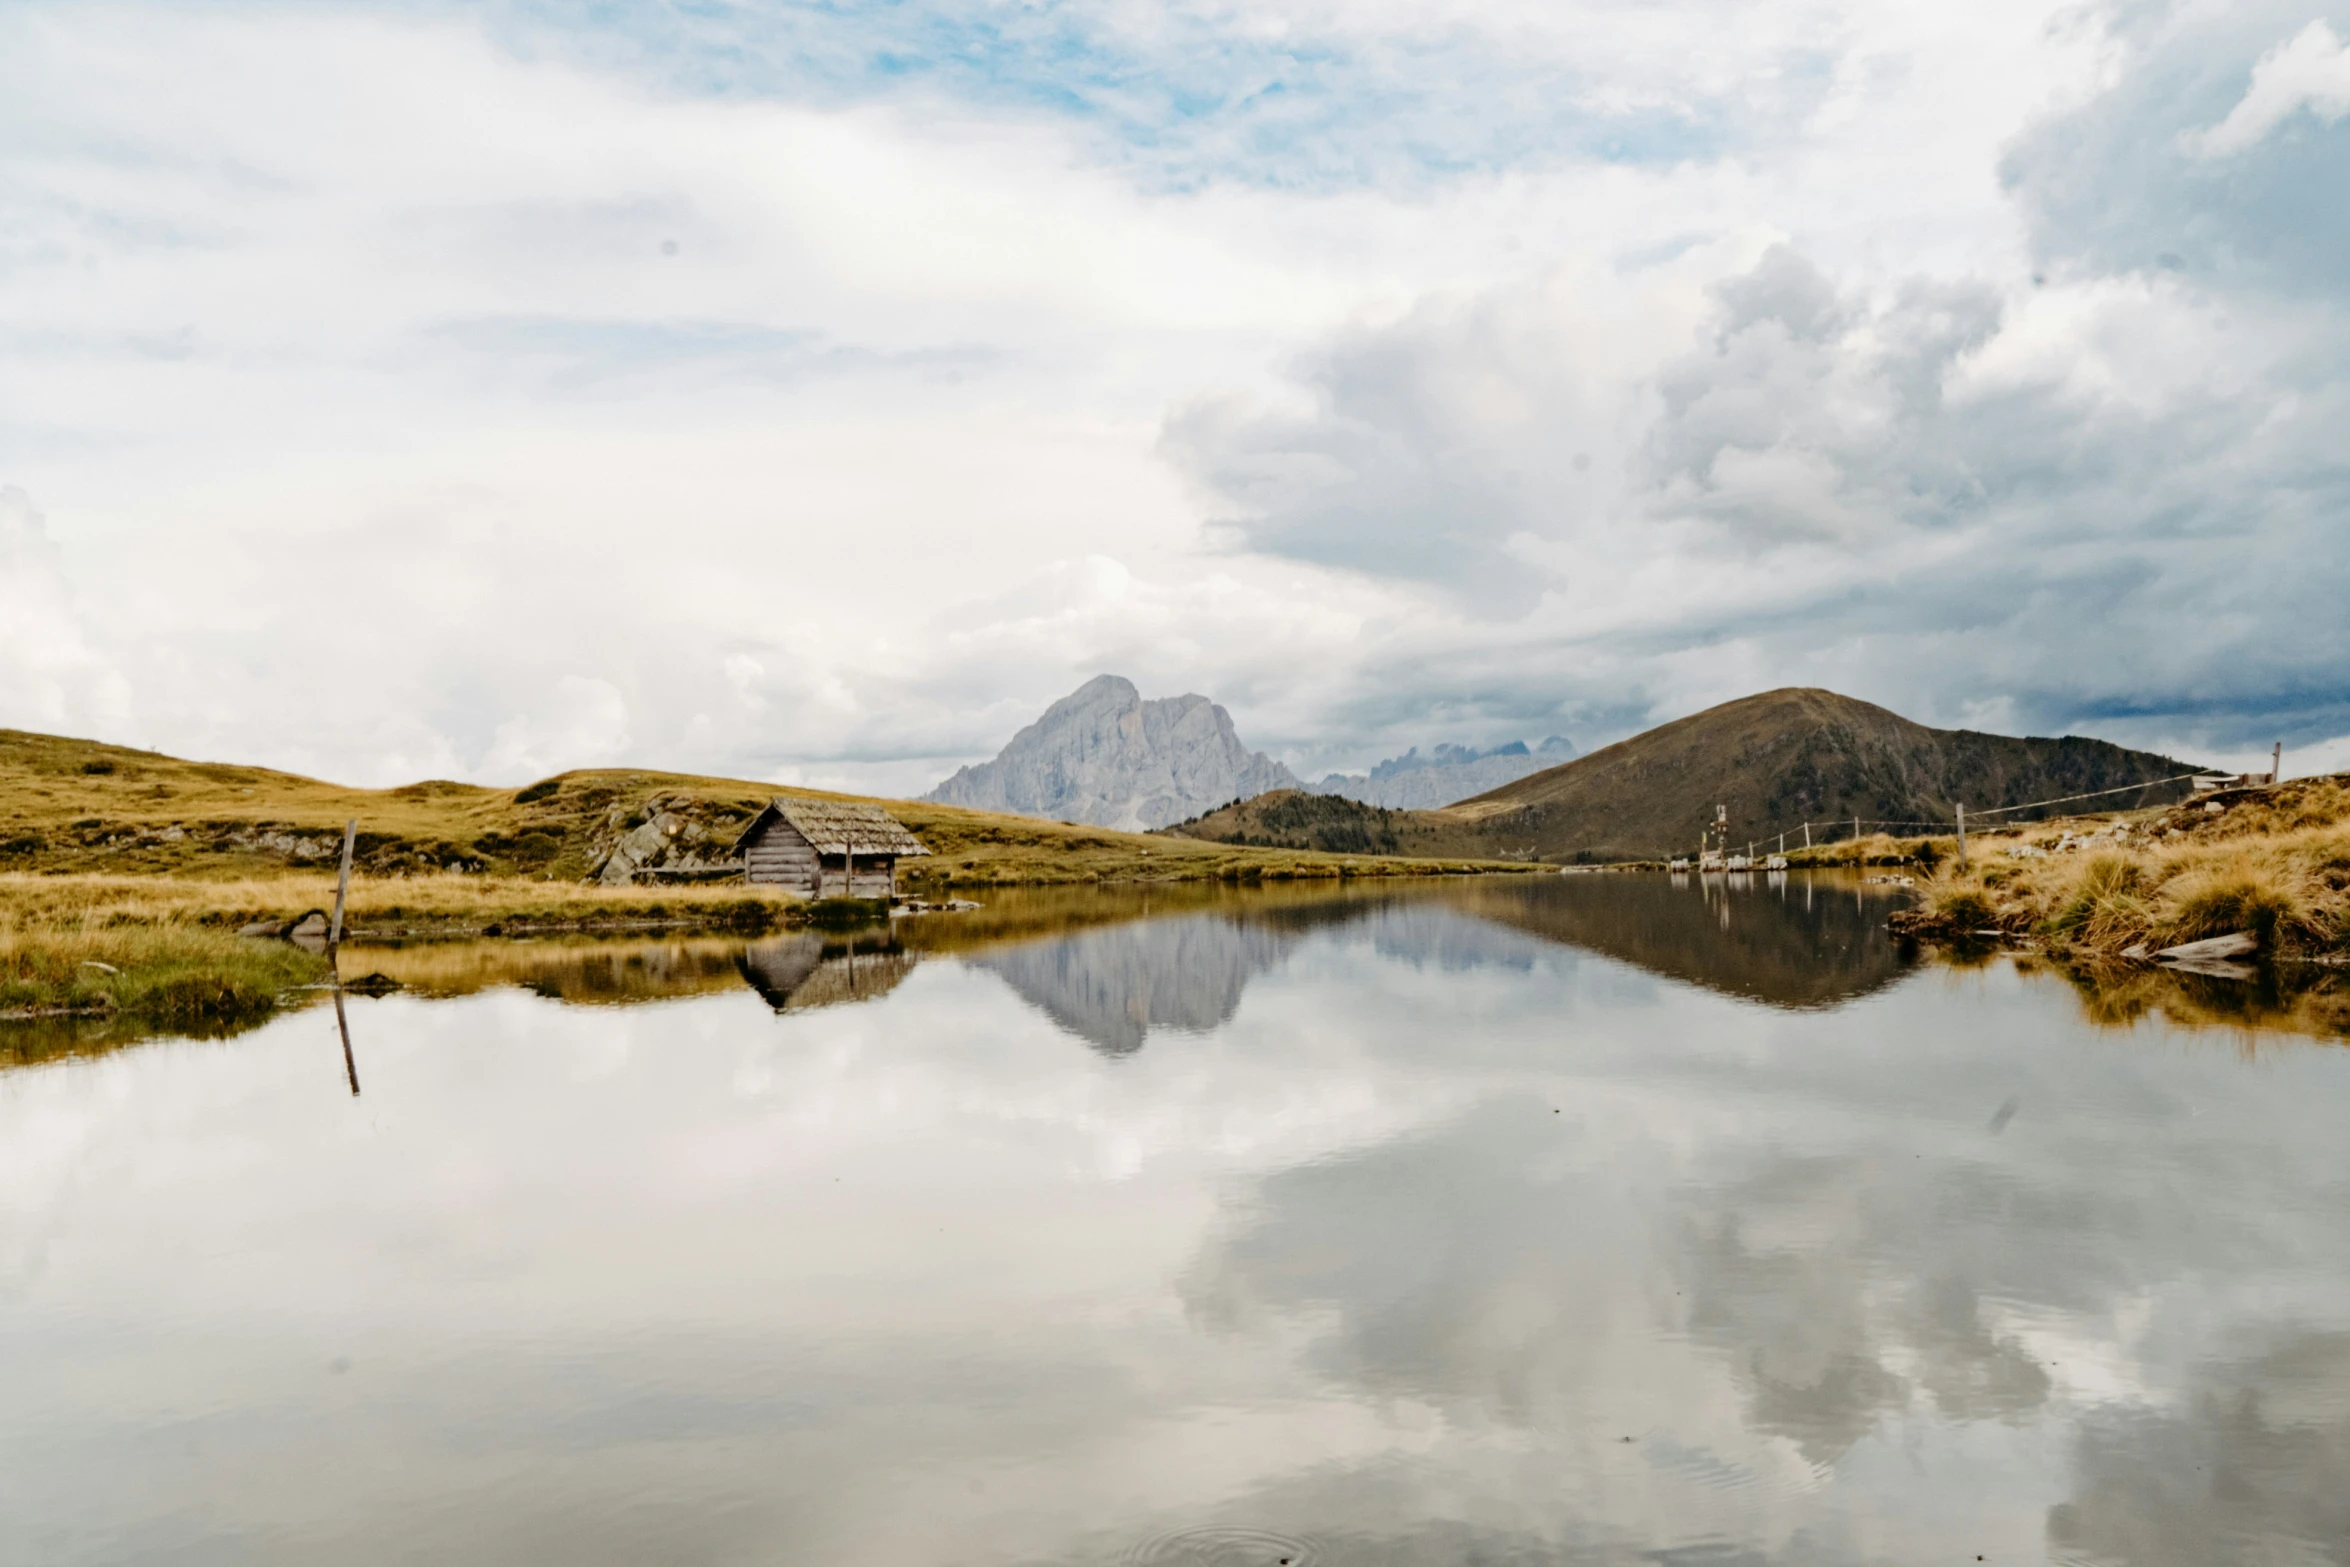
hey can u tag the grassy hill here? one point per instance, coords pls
(124, 874)
(1775, 760)
(84, 807)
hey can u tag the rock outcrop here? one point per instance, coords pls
(1412, 782)
(664, 836)
(1105, 757)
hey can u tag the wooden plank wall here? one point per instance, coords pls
(780, 857)
(874, 878)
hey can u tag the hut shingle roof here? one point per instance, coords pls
(839, 827)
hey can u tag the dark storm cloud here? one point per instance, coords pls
(2111, 496)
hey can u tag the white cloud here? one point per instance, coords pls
(399, 373)
(50, 676)
(580, 723)
(2311, 72)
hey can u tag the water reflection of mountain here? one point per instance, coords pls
(1113, 987)
(800, 972)
(1787, 941)
(1791, 945)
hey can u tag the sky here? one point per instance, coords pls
(813, 392)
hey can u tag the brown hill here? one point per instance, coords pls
(69, 806)
(1777, 761)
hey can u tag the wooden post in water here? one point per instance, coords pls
(334, 954)
(1962, 835)
(350, 1065)
(334, 936)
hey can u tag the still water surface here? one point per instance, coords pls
(1592, 1220)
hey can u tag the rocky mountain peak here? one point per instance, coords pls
(1103, 756)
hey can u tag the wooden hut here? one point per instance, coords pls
(825, 849)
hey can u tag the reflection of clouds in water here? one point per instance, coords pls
(1818, 1221)
(1489, 1265)
(1450, 1211)
(1793, 1276)
(2252, 1464)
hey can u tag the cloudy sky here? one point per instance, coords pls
(815, 391)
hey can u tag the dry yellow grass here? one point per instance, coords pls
(170, 973)
(386, 905)
(78, 806)
(2276, 865)
(1876, 848)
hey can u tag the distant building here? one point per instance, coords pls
(825, 849)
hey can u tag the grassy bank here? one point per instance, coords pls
(393, 906)
(169, 975)
(77, 807)
(2272, 863)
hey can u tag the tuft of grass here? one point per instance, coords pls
(2105, 906)
(2248, 896)
(1964, 907)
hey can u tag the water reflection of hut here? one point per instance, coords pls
(825, 848)
(796, 973)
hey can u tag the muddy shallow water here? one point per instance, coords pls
(1574, 1219)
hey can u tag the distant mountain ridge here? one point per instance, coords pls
(1446, 774)
(1104, 757)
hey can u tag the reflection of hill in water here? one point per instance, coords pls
(1786, 941)
(1779, 941)
(1112, 987)
(797, 973)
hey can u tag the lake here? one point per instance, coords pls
(1587, 1219)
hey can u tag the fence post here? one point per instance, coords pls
(1807, 835)
(334, 937)
(1962, 836)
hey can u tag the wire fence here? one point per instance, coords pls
(1856, 823)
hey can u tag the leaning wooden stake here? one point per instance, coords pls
(350, 1064)
(334, 937)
